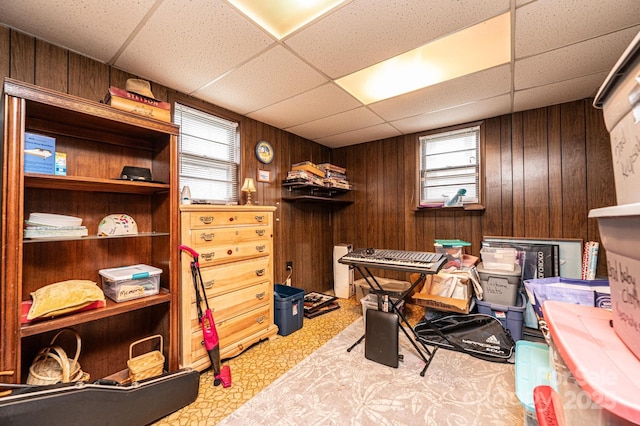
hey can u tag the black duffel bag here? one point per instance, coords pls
(478, 335)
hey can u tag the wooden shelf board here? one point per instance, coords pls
(75, 183)
(93, 237)
(112, 308)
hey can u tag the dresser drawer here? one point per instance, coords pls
(235, 303)
(200, 220)
(233, 330)
(232, 252)
(232, 276)
(207, 237)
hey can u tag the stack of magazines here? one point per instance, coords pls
(48, 225)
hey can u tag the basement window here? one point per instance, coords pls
(450, 168)
(209, 155)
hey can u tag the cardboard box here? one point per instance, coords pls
(39, 153)
(449, 304)
(620, 231)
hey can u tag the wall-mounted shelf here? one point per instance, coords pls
(305, 192)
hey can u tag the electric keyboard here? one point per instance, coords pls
(408, 261)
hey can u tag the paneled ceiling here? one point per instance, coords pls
(562, 50)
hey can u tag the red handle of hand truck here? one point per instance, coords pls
(190, 250)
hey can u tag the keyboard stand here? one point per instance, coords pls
(424, 352)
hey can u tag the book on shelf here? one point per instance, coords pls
(132, 102)
(328, 167)
(308, 166)
(55, 231)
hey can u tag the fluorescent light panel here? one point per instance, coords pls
(282, 17)
(474, 49)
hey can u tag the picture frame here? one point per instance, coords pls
(264, 176)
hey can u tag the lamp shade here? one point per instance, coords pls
(249, 185)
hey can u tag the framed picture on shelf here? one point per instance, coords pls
(264, 176)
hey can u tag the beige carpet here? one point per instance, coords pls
(336, 387)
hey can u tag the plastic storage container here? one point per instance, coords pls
(370, 301)
(619, 97)
(532, 370)
(598, 377)
(130, 282)
(511, 317)
(499, 258)
(499, 286)
(288, 308)
(620, 231)
(387, 284)
(453, 250)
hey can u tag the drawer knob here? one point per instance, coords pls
(208, 256)
(209, 284)
(260, 296)
(260, 218)
(261, 248)
(260, 319)
(207, 237)
(260, 232)
(260, 272)
(207, 220)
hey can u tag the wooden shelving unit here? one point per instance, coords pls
(98, 141)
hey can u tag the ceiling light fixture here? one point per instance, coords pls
(282, 17)
(473, 49)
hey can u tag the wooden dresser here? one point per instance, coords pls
(235, 247)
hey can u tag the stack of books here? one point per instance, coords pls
(137, 104)
(46, 225)
(324, 175)
(335, 176)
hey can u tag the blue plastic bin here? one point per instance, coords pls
(511, 317)
(289, 308)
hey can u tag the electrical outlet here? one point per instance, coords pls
(289, 264)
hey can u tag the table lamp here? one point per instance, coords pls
(249, 186)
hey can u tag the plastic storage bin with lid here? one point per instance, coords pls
(619, 97)
(371, 301)
(288, 308)
(511, 317)
(620, 231)
(532, 370)
(130, 282)
(597, 376)
(499, 258)
(499, 286)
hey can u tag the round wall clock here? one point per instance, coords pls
(264, 152)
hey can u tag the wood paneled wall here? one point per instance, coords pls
(545, 169)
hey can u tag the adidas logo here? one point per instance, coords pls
(492, 339)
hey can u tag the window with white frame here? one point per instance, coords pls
(209, 149)
(450, 167)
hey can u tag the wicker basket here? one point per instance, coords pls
(52, 365)
(146, 365)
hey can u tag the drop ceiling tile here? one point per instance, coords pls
(546, 25)
(373, 133)
(265, 80)
(317, 103)
(556, 93)
(474, 111)
(590, 57)
(365, 32)
(350, 120)
(480, 85)
(95, 28)
(185, 47)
